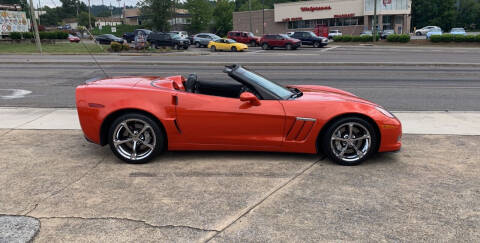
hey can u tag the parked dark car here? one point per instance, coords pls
(309, 38)
(159, 39)
(107, 39)
(280, 40)
(384, 34)
(244, 37)
(202, 39)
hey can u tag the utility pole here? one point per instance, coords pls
(250, 13)
(374, 32)
(89, 16)
(35, 27)
(263, 17)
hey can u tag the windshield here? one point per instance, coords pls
(214, 37)
(273, 87)
(250, 34)
(458, 30)
(230, 41)
(174, 35)
(285, 36)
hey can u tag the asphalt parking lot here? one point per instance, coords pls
(80, 192)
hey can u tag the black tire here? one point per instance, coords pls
(316, 44)
(213, 48)
(288, 46)
(418, 33)
(197, 44)
(154, 45)
(185, 47)
(368, 147)
(265, 46)
(234, 49)
(157, 135)
(176, 47)
(253, 43)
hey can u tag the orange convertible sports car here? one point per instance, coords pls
(141, 116)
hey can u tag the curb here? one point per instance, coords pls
(200, 63)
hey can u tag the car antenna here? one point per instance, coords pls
(93, 57)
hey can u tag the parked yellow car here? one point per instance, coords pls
(224, 44)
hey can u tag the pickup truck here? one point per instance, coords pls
(161, 39)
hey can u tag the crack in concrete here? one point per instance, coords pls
(169, 226)
(247, 210)
(65, 187)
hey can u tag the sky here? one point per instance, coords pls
(56, 3)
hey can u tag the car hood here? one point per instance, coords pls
(316, 92)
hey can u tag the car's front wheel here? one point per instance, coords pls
(418, 33)
(197, 44)
(350, 141)
(316, 44)
(253, 43)
(289, 47)
(265, 46)
(135, 138)
(213, 48)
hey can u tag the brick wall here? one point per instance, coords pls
(241, 22)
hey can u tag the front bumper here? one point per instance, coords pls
(391, 135)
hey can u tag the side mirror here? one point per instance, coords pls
(249, 97)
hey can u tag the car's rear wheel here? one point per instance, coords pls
(418, 33)
(135, 138)
(213, 48)
(176, 47)
(265, 46)
(350, 141)
(289, 46)
(234, 49)
(154, 45)
(197, 44)
(253, 43)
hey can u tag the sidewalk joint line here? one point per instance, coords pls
(263, 199)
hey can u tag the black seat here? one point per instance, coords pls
(191, 84)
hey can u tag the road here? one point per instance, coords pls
(408, 81)
(397, 88)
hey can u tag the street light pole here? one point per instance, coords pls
(374, 21)
(35, 27)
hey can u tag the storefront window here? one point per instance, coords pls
(309, 24)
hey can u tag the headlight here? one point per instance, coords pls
(385, 112)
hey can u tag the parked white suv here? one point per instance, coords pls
(425, 30)
(334, 33)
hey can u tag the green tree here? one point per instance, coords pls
(156, 13)
(201, 14)
(468, 13)
(83, 19)
(222, 17)
(434, 12)
(255, 5)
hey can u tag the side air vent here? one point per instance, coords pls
(300, 129)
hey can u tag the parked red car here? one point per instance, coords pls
(73, 38)
(244, 37)
(279, 40)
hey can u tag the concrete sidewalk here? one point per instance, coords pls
(438, 123)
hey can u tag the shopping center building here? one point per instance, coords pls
(349, 16)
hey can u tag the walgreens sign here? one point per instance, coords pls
(316, 8)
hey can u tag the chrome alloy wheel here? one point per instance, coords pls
(350, 142)
(134, 139)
